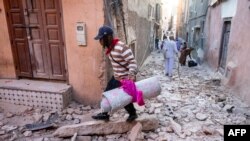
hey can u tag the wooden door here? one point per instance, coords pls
(224, 46)
(40, 31)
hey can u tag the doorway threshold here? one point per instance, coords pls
(43, 94)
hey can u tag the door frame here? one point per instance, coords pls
(15, 58)
(222, 70)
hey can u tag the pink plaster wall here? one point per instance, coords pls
(238, 47)
(85, 64)
(214, 25)
(7, 69)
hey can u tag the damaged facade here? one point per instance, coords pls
(222, 33)
(41, 40)
(191, 21)
(137, 23)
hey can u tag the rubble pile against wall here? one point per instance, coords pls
(194, 106)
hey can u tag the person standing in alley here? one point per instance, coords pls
(185, 51)
(156, 43)
(178, 44)
(169, 52)
(123, 64)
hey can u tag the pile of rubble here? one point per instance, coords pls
(193, 106)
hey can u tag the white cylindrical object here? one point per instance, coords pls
(116, 99)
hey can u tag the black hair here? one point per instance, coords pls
(106, 40)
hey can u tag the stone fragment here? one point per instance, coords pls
(135, 131)
(106, 128)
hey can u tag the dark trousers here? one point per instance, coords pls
(112, 84)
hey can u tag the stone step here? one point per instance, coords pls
(43, 94)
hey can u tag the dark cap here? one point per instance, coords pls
(104, 30)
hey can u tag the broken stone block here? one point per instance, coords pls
(187, 133)
(151, 110)
(153, 136)
(228, 108)
(46, 116)
(169, 129)
(86, 108)
(201, 117)
(135, 131)
(162, 138)
(76, 121)
(157, 105)
(157, 111)
(83, 138)
(9, 115)
(176, 127)
(69, 117)
(113, 136)
(37, 117)
(70, 111)
(5, 137)
(27, 133)
(14, 136)
(207, 131)
(220, 131)
(106, 128)
(38, 139)
(1, 124)
(78, 112)
(2, 132)
(38, 110)
(46, 139)
(9, 128)
(74, 137)
(245, 111)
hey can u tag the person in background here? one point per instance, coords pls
(156, 43)
(185, 51)
(178, 44)
(169, 52)
(124, 67)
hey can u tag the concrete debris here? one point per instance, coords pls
(193, 107)
(176, 127)
(38, 139)
(2, 132)
(228, 108)
(105, 128)
(9, 128)
(135, 131)
(83, 138)
(9, 115)
(69, 117)
(37, 117)
(27, 133)
(74, 137)
(201, 117)
(76, 121)
(1, 124)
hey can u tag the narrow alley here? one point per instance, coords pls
(124, 70)
(192, 106)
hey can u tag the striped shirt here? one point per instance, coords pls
(122, 54)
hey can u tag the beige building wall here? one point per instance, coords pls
(7, 69)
